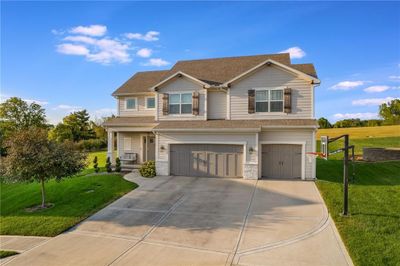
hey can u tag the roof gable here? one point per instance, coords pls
(141, 82)
(212, 72)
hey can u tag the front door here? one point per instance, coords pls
(149, 148)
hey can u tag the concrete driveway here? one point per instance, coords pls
(202, 221)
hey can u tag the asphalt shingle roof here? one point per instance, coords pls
(213, 71)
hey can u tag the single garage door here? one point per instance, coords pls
(281, 161)
(210, 160)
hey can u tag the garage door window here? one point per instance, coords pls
(180, 103)
(269, 101)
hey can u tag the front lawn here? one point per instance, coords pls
(74, 198)
(372, 232)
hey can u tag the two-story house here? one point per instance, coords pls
(247, 116)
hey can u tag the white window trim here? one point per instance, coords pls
(145, 103)
(180, 103)
(269, 89)
(136, 104)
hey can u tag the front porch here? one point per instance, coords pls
(132, 148)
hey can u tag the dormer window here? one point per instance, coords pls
(150, 102)
(131, 103)
(269, 101)
(180, 103)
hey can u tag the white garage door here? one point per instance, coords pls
(209, 160)
(281, 161)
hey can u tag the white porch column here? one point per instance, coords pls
(110, 145)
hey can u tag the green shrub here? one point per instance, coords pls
(96, 165)
(148, 169)
(108, 165)
(117, 165)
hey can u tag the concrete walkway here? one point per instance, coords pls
(202, 221)
(19, 244)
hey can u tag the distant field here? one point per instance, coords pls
(382, 137)
(362, 132)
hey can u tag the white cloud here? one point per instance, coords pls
(149, 36)
(295, 52)
(372, 101)
(72, 49)
(104, 51)
(67, 108)
(396, 78)
(93, 30)
(347, 85)
(158, 62)
(5, 97)
(80, 38)
(362, 116)
(57, 32)
(378, 88)
(29, 101)
(144, 52)
(110, 50)
(103, 112)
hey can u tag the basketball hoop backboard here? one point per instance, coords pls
(324, 146)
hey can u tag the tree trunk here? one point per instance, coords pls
(43, 195)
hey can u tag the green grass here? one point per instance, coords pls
(372, 231)
(7, 253)
(74, 198)
(393, 142)
(101, 158)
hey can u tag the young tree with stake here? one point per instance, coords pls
(32, 157)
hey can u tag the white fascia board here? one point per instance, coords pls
(286, 127)
(248, 130)
(155, 87)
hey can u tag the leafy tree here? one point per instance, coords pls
(390, 112)
(324, 123)
(349, 123)
(108, 165)
(33, 157)
(75, 126)
(117, 165)
(16, 114)
(98, 129)
(96, 165)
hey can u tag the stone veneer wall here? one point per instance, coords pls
(250, 171)
(381, 154)
(162, 168)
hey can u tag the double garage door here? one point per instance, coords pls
(210, 160)
(281, 161)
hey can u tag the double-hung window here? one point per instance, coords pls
(150, 102)
(180, 103)
(131, 104)
(269, 101)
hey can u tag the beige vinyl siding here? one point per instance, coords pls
(164, 139)
(271, 77)
(182, 85)
(141, 107)
(292, 135)
(130, 143)
(216, 101)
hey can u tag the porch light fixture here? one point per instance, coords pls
(251, 150)
(162, 148)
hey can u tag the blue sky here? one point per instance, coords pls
(52, 53)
